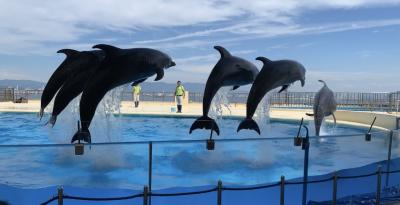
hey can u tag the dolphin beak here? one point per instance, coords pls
(303, 82)
(172, 64)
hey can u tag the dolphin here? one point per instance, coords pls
(90, 61)
(58, 78)
(229, 71)
(272, 75)
(120, 66)
(324, 105)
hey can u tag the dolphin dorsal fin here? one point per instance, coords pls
(224, 53)
(264, 60)
(322, 82)
(108, 49)
(69, 52)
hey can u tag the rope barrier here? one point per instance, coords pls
(50, 200)
(184, 193)
(310, 182)
(251, 188)
(358, 176)
(102, 199)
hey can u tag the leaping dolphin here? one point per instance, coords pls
(58, 78)
(324, 105)
(89, 62)
(272, 75)
(120, 66)
(229, 71)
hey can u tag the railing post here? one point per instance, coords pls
(219, 193)
(282, 190)
(145, 195)
(150, 168)
(389, 157)
(60, 193)
(334, 191)
(306, 147)
(378, 186)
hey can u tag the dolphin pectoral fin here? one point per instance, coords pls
(284, 87)
(334, 119)
(249, 124)
(235, 87)
(138, 82)
(160, 74)
(204, 122)
(309, 114)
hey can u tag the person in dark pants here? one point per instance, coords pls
(179, 95)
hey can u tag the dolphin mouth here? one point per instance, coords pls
(171, 64)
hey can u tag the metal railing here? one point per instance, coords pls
(6, 94)
(389, 101)
(147, 193)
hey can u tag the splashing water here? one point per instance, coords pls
(262, 115)
(105, 126)
(220, 104)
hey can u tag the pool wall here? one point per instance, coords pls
(384, 120)
(351, 182)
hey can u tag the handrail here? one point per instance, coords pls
(184, 141)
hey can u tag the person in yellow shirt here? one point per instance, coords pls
(136, 90)
(179, 95)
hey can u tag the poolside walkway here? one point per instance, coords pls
(384, 120)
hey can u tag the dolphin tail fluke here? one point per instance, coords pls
(204, 122)
(82, 134)
(41, 112)
(52, 120)
(249, 124)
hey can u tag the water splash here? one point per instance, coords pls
(220, 104)
(262, 115)
(105, 126)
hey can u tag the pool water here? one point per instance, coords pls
(174, 164)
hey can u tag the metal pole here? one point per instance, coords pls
(378, 186)
(282, 190)
(219, 193)
(306, 144)
(150, 168)
(60, 193)
(145, 195)
(334, 192)
(389, 160)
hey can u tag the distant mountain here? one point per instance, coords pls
(22, 84)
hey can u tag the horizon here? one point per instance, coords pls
(350, 44)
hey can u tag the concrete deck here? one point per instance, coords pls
(358, 118)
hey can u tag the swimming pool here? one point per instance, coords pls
(174, 164)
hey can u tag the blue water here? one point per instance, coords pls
(174, 164)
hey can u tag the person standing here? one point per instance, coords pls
(136, 89)
(179, 95)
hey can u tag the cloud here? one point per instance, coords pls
(29, 25)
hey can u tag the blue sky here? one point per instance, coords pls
(354, 45)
